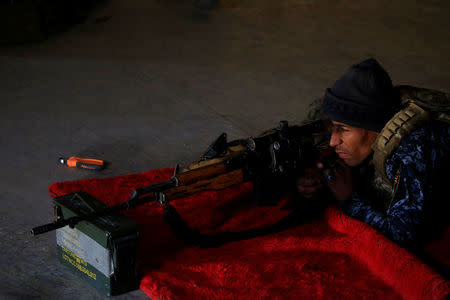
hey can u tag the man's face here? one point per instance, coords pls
(352, 144)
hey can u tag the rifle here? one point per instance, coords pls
(275, 155)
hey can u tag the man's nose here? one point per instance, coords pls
(335, 140)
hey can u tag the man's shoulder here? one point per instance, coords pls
(423, 142)
(433, 133)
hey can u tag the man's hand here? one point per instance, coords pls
(309, 184)
(342, 183)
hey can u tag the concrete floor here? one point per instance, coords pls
(144, 84)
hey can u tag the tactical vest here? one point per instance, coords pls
(420, 106)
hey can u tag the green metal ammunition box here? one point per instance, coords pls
(102, 251)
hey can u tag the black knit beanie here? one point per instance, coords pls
(363, 97)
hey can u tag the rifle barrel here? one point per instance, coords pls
(72, 221)
(47, 227)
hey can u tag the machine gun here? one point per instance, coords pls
(276, 154)
(99, 243)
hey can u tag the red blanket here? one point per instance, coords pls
(335, 257)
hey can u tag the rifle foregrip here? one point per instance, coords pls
(46, 228)
(201, 173)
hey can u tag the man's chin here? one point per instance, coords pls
(349, 161)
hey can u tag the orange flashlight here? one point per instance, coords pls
(83, 163)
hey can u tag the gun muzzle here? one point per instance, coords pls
(46, 228)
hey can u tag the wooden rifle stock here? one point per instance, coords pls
(202, 173)
(219, 182)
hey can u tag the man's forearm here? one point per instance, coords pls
(399, 223)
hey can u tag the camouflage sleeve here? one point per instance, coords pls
(401, 221)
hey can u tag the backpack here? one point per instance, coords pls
(419, 106)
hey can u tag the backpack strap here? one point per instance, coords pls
(403, 123)
(434, 101)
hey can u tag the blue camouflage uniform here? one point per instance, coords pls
(421, 161)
